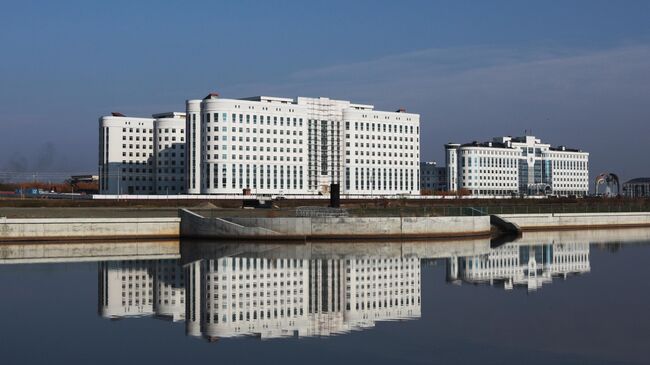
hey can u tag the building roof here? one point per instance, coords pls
(485, 144)
(639, 180)
(564, 149)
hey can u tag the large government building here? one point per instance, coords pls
(509, 166)
(265, 145)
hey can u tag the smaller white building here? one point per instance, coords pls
(516, 166)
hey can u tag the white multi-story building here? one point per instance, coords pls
(142, 155)
(265, 145)
(257, 144)
(515, 166)
(281, 146)
(382, 152)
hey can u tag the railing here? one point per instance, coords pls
(460, 210)
(393, 209)
(566, 208)
(429, 211)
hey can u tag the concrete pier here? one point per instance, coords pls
(196, 226)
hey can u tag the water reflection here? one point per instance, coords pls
(224, 290)
(133, 288)
(274, 290)
(264, 297)
(520, 265)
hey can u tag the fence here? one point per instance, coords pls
(450, 210)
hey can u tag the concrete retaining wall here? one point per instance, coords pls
(193, 225)
(61, 251)
(87, 228)
(528, 222)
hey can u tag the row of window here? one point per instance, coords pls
(248, 118)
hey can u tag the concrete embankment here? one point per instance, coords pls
(41, 229)
(194, 225)
(557, 221)
(62, 252)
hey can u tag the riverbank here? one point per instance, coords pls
(558, 221)
(257, 224)
(42, 229)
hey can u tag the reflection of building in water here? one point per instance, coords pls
(193, 298)
(295, 297)
(125, 288)
(169, 293)
(521, 265)
(265, 297)
(141, 288)
(253, 296)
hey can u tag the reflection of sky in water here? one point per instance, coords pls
(563, 301)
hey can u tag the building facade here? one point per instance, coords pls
(142, 155)
(510, 166)
(637, 188)
(271, 145)
(261, 145)
(433, 178)
(257, 144)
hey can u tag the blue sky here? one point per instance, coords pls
(575, 72)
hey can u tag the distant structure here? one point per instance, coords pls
(637, 188)
(509, 166)
(432, 177)
(264, 145)
(75, 179)
(610, 181)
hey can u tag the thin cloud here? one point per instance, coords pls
(586, 98)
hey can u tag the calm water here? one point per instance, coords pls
(562, 298)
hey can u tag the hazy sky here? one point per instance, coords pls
(574, 72)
